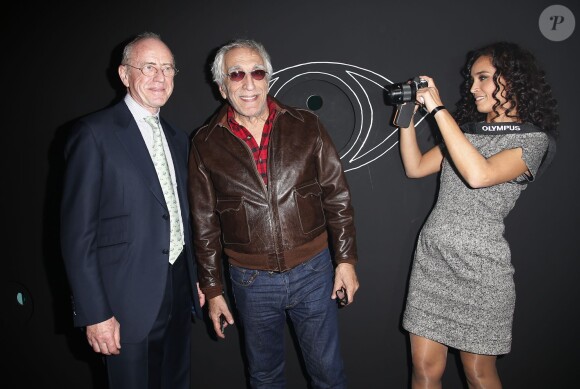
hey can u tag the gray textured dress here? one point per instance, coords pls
(461, 290)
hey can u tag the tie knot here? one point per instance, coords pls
(153, 121)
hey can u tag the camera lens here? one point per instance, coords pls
(404, 92)
(400, 93)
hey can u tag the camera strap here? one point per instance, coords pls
(501, 128)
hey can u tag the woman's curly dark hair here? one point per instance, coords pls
(526, 89)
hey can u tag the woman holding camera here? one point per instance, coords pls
(461, 291)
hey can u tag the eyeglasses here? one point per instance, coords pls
(150, 70)
(342, 297)
(239, 75)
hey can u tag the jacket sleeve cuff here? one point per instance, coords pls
(212, 291)
(352, 261)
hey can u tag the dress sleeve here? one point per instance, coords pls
(534, 146)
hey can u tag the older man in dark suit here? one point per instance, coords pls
(126, 230)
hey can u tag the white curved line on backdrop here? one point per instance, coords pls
(353, 75)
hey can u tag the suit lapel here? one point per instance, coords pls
(179, 157)
(176, 155)
(176, 152)
(132, 140)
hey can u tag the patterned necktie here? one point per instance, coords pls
(160, 162)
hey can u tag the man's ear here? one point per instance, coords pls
(124, 75)
(223, 92)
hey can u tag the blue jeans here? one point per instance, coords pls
(264, 299)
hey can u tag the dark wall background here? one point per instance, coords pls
(60, 63)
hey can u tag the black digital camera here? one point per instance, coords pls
(404, 92)
(403, 95)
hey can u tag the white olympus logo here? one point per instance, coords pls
(501, 128)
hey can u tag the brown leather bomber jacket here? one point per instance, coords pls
(306, 204)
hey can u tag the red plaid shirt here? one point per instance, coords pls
(260, 152)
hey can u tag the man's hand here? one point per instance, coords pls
(105, 337)
(345, 277)
(201, 296)
(217, 307)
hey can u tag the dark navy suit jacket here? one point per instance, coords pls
(115, 223)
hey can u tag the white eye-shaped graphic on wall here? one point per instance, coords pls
(350, 102)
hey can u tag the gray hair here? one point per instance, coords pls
(128, 50)
(217, 68)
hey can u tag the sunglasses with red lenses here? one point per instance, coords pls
(239, 75)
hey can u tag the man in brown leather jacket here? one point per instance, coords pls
(267, 189)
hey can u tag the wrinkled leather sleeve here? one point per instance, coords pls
(206, 226)
(337, 200)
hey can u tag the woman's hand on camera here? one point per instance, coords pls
(429, 97)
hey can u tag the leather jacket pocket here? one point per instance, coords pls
(309, 205)
(234, 220)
